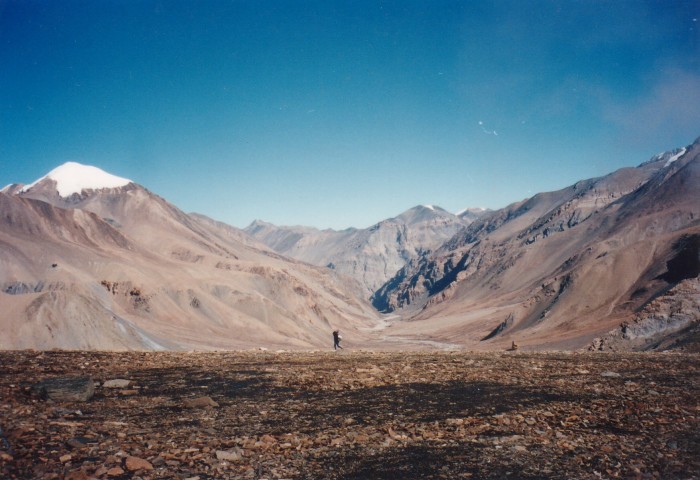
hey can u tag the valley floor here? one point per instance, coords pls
(354, 415)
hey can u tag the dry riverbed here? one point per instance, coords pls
(353, 415)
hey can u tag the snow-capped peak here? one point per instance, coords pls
(675, 157)
(670, 156)
(471, 210)
(73, 177)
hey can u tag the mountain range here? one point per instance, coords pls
(119, 267)
(93, 261)
(610, 262)
(372, 255)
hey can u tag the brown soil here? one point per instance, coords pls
(354, 415)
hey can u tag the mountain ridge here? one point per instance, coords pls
(122, 268)
(370, 255)
(550, 255)
(606, 263)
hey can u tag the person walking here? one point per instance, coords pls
(336, 340)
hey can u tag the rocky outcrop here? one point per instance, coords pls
(502, 327)
(671, 321)
(65, 389)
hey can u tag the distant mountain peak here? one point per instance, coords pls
(259, 223)
(675, 156)
(668, 157)
(420, 214)
(475, 210)
(432, 208)
(468, 215)
(74, 177)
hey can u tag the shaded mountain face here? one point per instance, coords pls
(116, 267)
(371, 255)
(563, 267)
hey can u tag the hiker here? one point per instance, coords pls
(336, 340)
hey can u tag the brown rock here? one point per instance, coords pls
(79, 442)
(201, 402)
(77, 475)
(115, 472)
(75, 443)
(135, 463)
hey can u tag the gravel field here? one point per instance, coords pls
(352, 415)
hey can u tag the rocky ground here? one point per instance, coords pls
(353, 415)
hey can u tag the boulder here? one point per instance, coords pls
(66, 389)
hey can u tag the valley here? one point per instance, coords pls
(92, 261)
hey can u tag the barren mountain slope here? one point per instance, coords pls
(371, 255)
(560, 268)
(124, 269)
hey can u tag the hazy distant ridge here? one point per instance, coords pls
(371, 255)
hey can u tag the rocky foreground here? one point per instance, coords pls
(352, 415)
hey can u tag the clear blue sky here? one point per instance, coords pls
(337, 114)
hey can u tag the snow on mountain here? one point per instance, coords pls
(120, 268)
(668, 157)
(675, 157)
(474, 210)
(615, 252)
(73, 177)
(12, 189)
(469, 215)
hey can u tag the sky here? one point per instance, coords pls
(343, 113)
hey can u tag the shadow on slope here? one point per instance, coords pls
(313, 407)
(686, 263)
